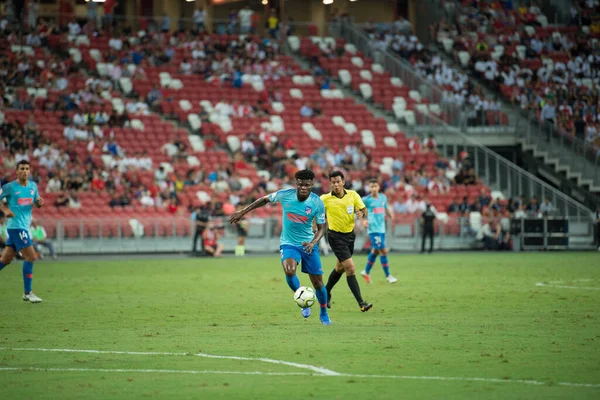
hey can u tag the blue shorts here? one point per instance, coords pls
(18, 239)
(377, 240)
(311, 263)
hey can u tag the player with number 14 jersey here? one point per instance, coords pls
(20, 195)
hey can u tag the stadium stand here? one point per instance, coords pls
(547, 69)
(153, 124)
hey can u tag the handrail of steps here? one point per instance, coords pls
(498, 172)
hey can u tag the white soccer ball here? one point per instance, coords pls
(305, 297)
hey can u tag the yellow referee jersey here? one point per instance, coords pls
(340, 211)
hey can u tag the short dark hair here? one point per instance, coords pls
(374, 181)
(23, 162)
(305, 174)
(336, 173)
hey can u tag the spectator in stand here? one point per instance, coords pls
(579, 126)
(199, 17)
(165, 23)
(533, 208)
(316, 109)
(483, 200)
(464, 207)
(54, 185)
(40, 239)
(546, 208)
(454, 207)
(549, 111)
(112, 148)
(306, 111)
(429, 144)
(273, 23)
(97, 184)
(210, 237)
(172, 206)
(245, 18)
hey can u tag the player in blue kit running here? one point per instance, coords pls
(21, 195)
(377, 206)
(298, 242)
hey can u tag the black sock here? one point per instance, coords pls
(353, 284)
(334, 278)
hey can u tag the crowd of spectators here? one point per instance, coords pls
(555, 75)
(459, 88)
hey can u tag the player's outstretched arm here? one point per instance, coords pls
(238, 215)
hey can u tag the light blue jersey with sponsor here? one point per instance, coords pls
(376, 216)
(21, 200)
(298, 216)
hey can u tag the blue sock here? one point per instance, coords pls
(322, 297)
(385, 266)
(371, 258)
(27, 275)
(2, 266)
(293, 282)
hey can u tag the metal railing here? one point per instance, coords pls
(579, 155)
(165, 234)
(498, 172)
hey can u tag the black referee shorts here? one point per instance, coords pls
(342, 244)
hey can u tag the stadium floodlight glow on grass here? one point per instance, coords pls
(265, 2)
(326, 2)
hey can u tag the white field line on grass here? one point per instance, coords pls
(204, 372)
(321, 372)
(542, 284)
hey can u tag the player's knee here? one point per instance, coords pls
(350, 269)
(6, 260)
(383, 252)
(375, 252)
(29, 257)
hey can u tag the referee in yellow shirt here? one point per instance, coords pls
(340, 207)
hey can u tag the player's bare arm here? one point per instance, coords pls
(6, 211)
(389, 213)
(238, 215)
(321, 229)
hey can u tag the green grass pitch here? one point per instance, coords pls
(451, 319)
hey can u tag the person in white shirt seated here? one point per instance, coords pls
(145, 162)
(224, 108)
(115, 43)
(79, 119)
(185, 67)
(54, 185)
(74, 28)
(72, 132)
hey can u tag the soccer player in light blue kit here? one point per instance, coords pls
(377, 207)
(298, 242)
(21, 195)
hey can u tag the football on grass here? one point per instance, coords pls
(305, 297)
